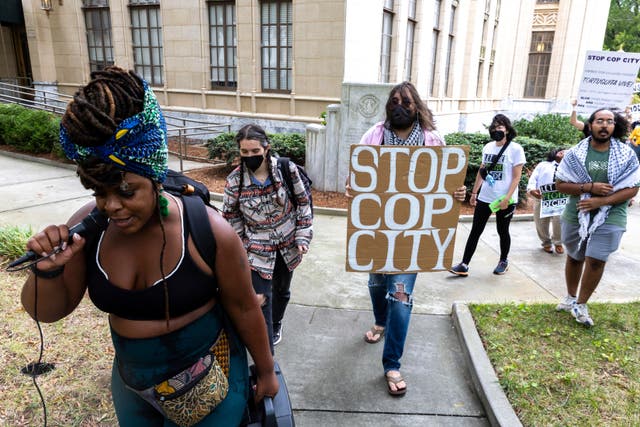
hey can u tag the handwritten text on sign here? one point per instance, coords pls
(403, 217)
(607, 80)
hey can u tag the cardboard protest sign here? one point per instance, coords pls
(403, 216)
(607, 81)
(552, 202)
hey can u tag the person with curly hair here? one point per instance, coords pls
(600, 174)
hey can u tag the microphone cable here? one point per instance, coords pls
(35, 369)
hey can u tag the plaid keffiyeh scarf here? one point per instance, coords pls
(622, 172)
(138, 145)
(416, 137)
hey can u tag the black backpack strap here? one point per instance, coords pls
(197, 220)
(285, 171)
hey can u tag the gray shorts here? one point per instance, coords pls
(604, 241)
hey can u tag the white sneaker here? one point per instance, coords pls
(581, 313)
(566, 304)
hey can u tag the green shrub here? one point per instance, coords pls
(554, 128)
(8, 114)
(475, 141)
(290, 145)
(58, 151)
(223, 147)
(13, 241)
(32, 131)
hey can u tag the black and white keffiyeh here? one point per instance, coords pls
(416, 137)
(622, 172)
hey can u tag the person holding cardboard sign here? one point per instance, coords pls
(408, 122)
(495, 190)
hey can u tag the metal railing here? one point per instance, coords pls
(38, 99)
(184, 130)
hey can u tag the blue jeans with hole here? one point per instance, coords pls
(392, 313)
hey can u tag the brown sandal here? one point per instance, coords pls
(395, 380)
(374, 332)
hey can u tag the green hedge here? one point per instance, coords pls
(292, 145)
(32, 131)
(554, 128)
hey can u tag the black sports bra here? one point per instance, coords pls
(189, 288)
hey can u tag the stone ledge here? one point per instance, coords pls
(485, 381)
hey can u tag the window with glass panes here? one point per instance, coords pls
(387, 37)
(277, 42)
(452, 22)
(434, 44)
(146, 32)
(223, 44)
(98, 29)
(411, 32)
(539, 60)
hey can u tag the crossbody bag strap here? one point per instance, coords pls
(495, 159)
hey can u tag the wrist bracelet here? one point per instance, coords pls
(582, 188)
(51, 274)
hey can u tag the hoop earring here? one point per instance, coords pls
(163, 204)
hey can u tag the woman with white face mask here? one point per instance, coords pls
(495, 190)
(276, 232)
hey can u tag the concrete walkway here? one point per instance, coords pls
(334, 377)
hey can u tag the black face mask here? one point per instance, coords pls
(496, 135)
(401, 118)
(253, 162)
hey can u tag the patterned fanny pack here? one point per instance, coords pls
(190, 395)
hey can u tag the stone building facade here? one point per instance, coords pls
(283, 62)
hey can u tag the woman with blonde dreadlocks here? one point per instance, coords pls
(176, 361)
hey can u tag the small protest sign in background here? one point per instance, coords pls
(607, 81)
(553, 202)
(403, 216)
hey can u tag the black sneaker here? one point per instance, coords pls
(502, 267)
(460, 270)
(277, 335)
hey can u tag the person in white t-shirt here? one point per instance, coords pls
(542, 182)
(497, 181)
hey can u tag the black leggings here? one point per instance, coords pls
(277, 293)
(481, 215)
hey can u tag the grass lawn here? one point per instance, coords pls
(555, 371)
(77, 392)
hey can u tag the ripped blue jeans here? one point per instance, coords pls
(392, 300)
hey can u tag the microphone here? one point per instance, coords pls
(93, 223)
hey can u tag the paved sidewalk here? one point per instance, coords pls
(334, 377)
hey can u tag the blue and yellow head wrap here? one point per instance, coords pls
(138, 145)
